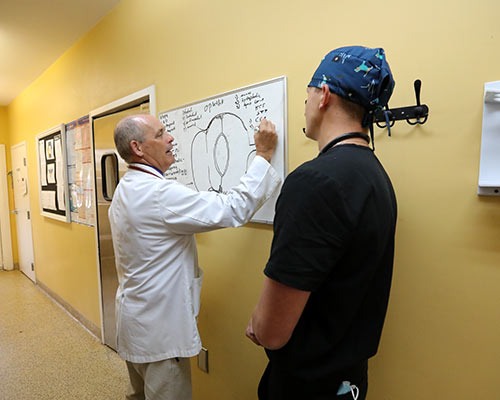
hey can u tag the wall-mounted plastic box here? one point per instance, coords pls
(489, 167)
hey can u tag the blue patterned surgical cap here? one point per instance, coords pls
(359, 74)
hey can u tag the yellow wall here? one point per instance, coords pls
(442, 330)
(4, 134)
(5, 140)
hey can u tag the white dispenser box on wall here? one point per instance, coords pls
(489, 167)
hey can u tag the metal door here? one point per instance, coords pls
(22, 210)
(109, 168)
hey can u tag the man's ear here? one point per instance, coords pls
(325, 96)
(135, 147)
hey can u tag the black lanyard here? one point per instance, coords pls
(343, 137)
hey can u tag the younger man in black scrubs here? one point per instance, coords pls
(326, 290)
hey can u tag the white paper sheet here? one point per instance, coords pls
(49, 149)
(61, 201)
(59, 160)
(43, 164)
(51, 173)
(48, 198)
(58, 148)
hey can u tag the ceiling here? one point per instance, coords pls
(35, 33)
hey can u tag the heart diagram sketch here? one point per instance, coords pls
(214, 163)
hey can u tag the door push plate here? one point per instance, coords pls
(203, 360)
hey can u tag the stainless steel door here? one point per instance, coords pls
(109, 168)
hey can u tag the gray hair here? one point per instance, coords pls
(128, 129)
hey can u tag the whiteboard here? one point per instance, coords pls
(213, 138)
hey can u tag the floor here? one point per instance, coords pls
(47, 355)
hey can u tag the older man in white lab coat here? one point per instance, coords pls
(153, 222)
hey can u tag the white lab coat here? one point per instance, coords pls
(153, 221)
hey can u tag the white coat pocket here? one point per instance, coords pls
(196, 292)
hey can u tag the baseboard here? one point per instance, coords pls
(90, 326)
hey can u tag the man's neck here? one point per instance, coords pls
(334, 131)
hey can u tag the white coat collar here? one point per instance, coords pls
(146, 169)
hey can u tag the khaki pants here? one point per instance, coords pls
(162, 380)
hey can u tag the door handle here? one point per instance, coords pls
(108, 195)
(14, 212)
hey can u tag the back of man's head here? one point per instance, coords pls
(128, 129)
(358, 74)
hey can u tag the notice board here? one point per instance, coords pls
(52, 172)
(80, 171)
(213, 138)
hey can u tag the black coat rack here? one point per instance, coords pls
(418, 114)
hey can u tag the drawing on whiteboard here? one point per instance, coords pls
(214, 138)
(213, 164)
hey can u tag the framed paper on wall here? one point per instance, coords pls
(52, 173)
(80, 171)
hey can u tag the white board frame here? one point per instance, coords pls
(61, 129)
(285, 122)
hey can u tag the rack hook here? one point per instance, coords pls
(419, 110)
(385, 118)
